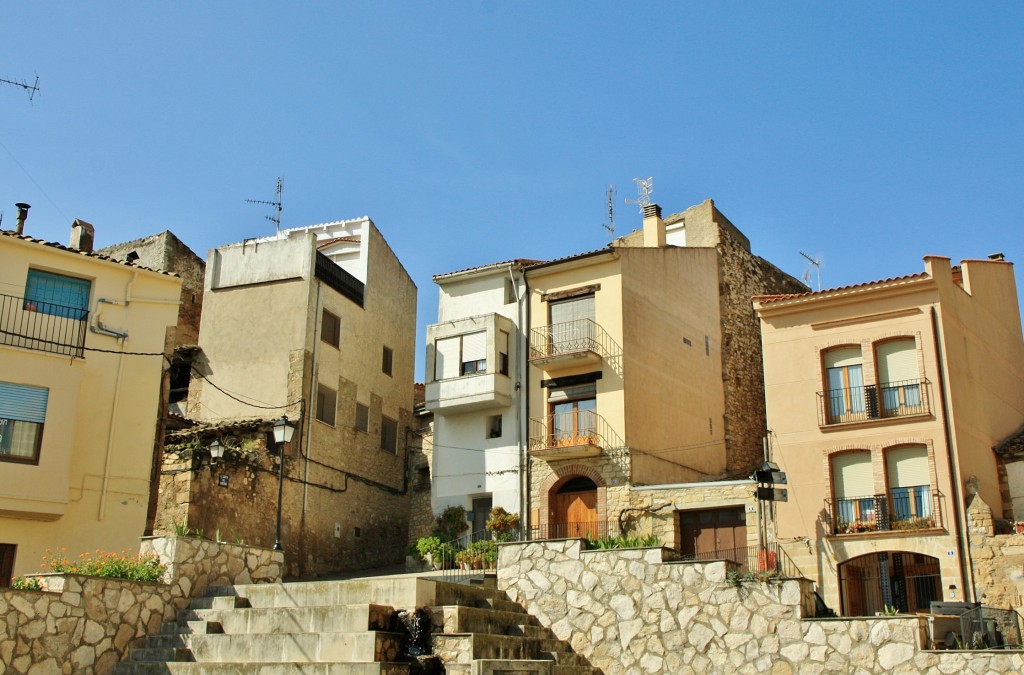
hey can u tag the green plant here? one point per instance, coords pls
(624, 541)
(502, 524)
(451, 523)
(236, 539)
(890, 610)
(140, 567)
(183, 530)
(427, 546)
(26, 584)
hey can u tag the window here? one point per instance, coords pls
(898, 377)
(572, 325)
(853, 488)
(330, 329)
(6, 564)
(326, 404)
(362, 417)
(503, 352)
(573, 414)
(22, 414)
(56, 294)
(389, 435)
(460, 355)
(494, 426)
(845, 385)
(909, 487)
(386, 361)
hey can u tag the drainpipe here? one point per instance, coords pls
(524, 394)
(123, 337)
(307, 420)
(962, 540)
(518, 393)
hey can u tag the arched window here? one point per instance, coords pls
(899, 377)
(910, 495)
(854, 508)
(844, 382)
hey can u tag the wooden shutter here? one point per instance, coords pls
(897, 361)
(908, 466)
(851, 475)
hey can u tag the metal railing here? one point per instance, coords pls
(579, 427)
(873, 401)
(767, 559)
(570, 337)
(43, 326)
(910, 508)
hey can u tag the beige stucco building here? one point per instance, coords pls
(82, 345)
(645, 371)
(885, 401)
(318, 324)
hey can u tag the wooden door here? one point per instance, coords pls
(574, 514)
(714, 533)
(6, 564)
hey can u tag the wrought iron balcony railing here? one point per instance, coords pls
(873, 402)
(563, 431)
(910, 508)
(570, 338)
(43, 326)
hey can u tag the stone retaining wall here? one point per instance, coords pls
(83, 624)
(627, 611)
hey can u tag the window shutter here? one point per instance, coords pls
(907, 466)
(23, 403)
(579, 391)
(897, 361)
(502, 342)
(839, 358)
(851, 475)
(474, 346)
(571, 310)
(446, 358)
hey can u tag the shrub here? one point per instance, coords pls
(625, 541)
(502, 524)
(140, 567)
(451, 523)
(425, 545)
(26, 584)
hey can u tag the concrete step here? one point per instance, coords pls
(472, 646)
(469, 595)
(462, 619)
(217, 602)
(399, 592)
(296, 647)
(160, 654)
(344, 619)
(129, 668)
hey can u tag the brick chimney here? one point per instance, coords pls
(82, 236)
(654, 227)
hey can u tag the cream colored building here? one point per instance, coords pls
(317, 323)
(82, 344)
(645, 371)
(885, 400)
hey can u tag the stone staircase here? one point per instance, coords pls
(350, 628)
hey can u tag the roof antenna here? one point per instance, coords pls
(30, 88)
(816, 262)
(275, 219)
(609, 227)
(644, 189)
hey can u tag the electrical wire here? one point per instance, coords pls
(235, 398)
(74, 346)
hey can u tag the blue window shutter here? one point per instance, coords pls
(23, 403)
(58, 295)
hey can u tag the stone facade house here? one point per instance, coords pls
(83, 338)
(317, 324)
(885, 400)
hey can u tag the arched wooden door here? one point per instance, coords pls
(573, 510)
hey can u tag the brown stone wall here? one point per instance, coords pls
(421, 457)
(998, 560)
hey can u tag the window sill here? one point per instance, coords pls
(881, 534)
(875, 422)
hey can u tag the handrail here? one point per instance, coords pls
(874, 401)
(578, 427)
(570, 337)
(43, 326)
(910, 508)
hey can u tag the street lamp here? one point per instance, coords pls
(282, 434)
(216, 452)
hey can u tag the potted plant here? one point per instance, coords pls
(502, 525)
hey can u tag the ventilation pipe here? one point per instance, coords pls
(22, 216)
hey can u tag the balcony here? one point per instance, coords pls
(873, 402)
(479, 391)
(902, 510)
(571, 435)
(573, 343)
(43, 326)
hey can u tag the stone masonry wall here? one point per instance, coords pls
(627, 611)
(998, 560)
(85, 625)
(654, 510)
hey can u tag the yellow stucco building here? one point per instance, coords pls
(82, 344)
(885, 400)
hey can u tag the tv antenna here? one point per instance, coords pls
(30, 88)
(609, 227)
(275, 219)
(644, 188)
(816, 262)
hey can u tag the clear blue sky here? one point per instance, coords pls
(870, 133)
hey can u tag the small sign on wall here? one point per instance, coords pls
(222, 480)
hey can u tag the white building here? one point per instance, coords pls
(475, 386)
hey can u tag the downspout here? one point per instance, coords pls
(123, 337)
(310, 409)
(966, 563)
(523, 395)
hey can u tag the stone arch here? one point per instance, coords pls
(563, 475)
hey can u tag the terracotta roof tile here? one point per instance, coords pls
(91, 254)
(768, 299)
